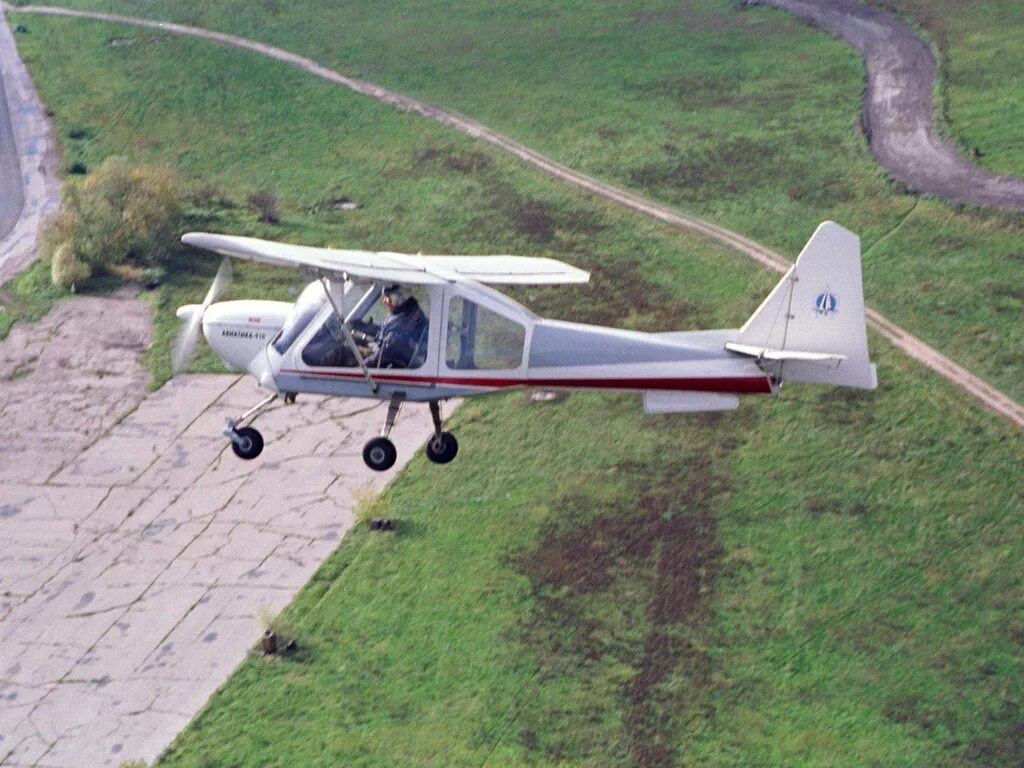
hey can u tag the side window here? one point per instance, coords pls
(481, 339)
(386, 339)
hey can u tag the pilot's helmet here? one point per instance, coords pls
(397, 293)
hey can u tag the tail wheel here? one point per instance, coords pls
(379, 454)
(247, 443)
(442, 448)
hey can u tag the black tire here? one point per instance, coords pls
(442, 449)
(249, 444)
(379, 454)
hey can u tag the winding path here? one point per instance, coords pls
(29, 182)
(12, 195)
(898, 105)
(989, 396)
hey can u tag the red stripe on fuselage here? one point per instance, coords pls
(741, 385)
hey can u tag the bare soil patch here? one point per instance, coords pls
(647, 528)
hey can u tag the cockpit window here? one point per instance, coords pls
(306, 307)
(386, 338)
(481, 339)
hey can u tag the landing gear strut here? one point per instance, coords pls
(246, 442)
(379, 453)
(441, 446)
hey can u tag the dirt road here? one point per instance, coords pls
(12, 196)
(990, 397)
(29, 184)
(898, 105)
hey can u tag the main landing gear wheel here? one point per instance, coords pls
(247, 443)
(379, 454)
(442, 448)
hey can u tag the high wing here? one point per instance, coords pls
(507, 270)
(392, 267)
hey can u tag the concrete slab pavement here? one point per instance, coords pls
(135, 565)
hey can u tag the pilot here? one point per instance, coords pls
(398, 337)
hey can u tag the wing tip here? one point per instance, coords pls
(206, 240)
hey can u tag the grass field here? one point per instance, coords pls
(747, 117)
(634, 591)
(823, 579)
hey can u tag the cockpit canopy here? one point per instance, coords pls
(385, 336)
(307, 306)
(387, 331)
(473, 332)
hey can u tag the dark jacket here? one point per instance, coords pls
(399, 336)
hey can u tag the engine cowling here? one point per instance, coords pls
(240, 330)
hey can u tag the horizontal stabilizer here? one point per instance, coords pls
(784, 354)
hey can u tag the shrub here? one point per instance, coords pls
(265, 203)
(120, 212)
(282, 628)
(66, 269)
(206, 194)
(368, 503)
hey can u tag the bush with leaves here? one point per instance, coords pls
(66, 269)
(265, 203)
(119, 213)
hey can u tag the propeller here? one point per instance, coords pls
(189, 333)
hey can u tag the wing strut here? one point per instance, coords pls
(349, 339)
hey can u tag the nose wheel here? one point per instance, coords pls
(247, 443)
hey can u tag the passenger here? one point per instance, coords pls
(398, 337)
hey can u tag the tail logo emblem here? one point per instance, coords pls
(825, 303)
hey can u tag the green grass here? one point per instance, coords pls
(747, 117)
(27, 297)
(823, 579)
(849, 599)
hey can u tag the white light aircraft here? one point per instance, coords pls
(469, 339)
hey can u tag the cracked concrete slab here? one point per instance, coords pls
(137, 553)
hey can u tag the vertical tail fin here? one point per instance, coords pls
(811, 327)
